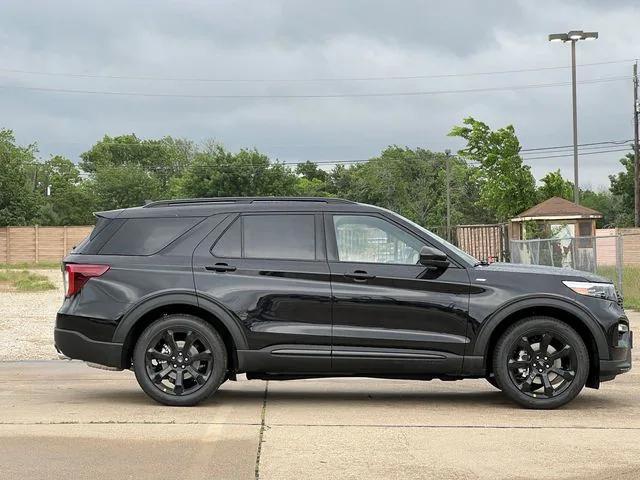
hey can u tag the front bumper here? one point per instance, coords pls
(75, 345)
(620, 359)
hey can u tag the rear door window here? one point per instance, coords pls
(278, 236)
(146, 236)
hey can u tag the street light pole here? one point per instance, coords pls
(636, 147)
(576, 188)
(573, 37)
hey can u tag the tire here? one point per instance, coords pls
(492, 381)
(541, 363)
(180, 360)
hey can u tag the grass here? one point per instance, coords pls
(43, 265)
(24, 281)
(630, 284)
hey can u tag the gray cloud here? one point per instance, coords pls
(303, 40)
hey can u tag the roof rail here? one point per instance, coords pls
(213, 200)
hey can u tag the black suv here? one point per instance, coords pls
(189, 293)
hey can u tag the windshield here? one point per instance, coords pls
(437, 239)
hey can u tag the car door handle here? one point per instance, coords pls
(221, 267)
(359, 276)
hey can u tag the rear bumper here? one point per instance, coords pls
(77, 346)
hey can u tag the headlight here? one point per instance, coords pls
(593, 289)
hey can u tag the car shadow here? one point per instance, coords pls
(322, 397)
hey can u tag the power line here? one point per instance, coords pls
(525, 152)
(301, 80)
(293, 96)
(579, 145)
(571, 154)
(593, 148)
(159, 143)
(336, 162)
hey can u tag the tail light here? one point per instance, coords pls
(77, 274)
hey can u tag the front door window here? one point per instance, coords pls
(369, 239)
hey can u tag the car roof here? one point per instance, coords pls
(198, 207)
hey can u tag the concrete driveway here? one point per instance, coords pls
(65, 420)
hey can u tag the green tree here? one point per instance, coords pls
(117, 186)
(220, 173)
(410, 182)
(341, 180)
(19, 201)
(622, 186)
(311, 188)
(311, 171)
(67, 201)
(126, 171)
(607, 204)
(506, 185)
(312, 180)
(554, 185)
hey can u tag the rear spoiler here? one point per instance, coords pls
(109, 213)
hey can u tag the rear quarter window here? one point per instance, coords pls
(146, 236)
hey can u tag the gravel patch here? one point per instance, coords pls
(27, 321)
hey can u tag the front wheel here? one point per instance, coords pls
(492, 381)
(180, 360)
(541, 363)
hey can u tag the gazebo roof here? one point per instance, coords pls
(556, 208)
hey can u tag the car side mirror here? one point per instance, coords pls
(432, 257)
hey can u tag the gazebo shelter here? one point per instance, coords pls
(555, 218)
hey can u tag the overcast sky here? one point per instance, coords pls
(306, 44)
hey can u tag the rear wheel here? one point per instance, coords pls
(180, 360)
(541, 363)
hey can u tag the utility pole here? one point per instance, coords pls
(447, 152)
(636, 154)
(35, 177)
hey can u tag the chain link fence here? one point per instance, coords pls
(614, 256)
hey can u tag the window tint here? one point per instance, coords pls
(145, 236)
(101, 222)
(362, 238)
(279, 236)
(230, 244)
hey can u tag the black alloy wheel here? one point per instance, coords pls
(180, 360)
(541, 362)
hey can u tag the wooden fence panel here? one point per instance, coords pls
(631, 246)
(3, 244)
(50, 243)
(606, 246)
(485, 242)
(22, 244)
(34, 244)
(75, 235)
